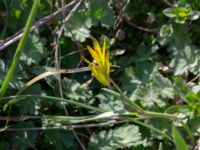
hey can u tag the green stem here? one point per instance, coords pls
(126, 99)
(19, 49)
(159, 115)
(189, 132)
(16, 99)
(154, 129)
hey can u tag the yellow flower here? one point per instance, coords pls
(100, 66)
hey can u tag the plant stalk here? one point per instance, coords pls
(19, 49)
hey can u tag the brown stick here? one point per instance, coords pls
(152, 31)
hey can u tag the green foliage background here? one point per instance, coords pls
(155, 52)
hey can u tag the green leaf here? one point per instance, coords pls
(180, 14)
(4, 146)
(122, 137)
(186, 59)
(101, 12)
(24, 139)
(162, 125)
(180, 37)
(2, 71)
(126, 136)
(165, 34)
(169, 12)
(135, 76)
(155, 92)
(178, 139)
(73, 90)
(148, 96)
(164, 85)
(59, 139)
(30, 105)
(109, 102)
(34, 50)
(78, 25)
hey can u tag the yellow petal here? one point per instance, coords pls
(104, 46)
(92, 52)
(98, 75)
(86, 60)
(97, 47)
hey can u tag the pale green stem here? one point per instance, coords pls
(153, 114)
(189, 132)
(154, 129)
(19, 49)
(159, 115)
(126, 99)
(50, 98)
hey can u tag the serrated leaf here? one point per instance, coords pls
(109, 102)
(186, 59)
(78, 25)
(164, 85)
(160, 124)
(148, 96)
(178, 139)
(101, 12)
(126, 136)
(24, 139)
(165, 34)
(135, 76)
(34, 50)
(60, 139)
(155, 92)
(181, 36)
(30, 105)
(73, 90)
(122, 137)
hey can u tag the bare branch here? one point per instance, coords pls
(152, 31)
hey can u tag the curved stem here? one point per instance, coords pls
(160, 115)
(189, 132)
(51, 98)
(126, 99)
(154, 129)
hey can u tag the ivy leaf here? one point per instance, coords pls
(122, 137)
